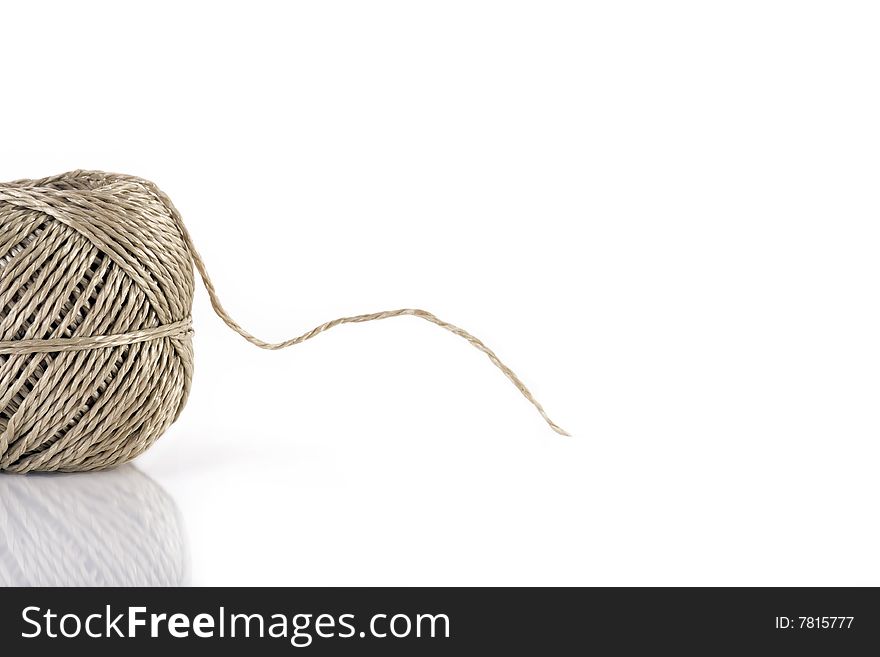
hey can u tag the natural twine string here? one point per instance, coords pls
(385, 314)
(96, 292)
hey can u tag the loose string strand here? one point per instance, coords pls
(385, 314)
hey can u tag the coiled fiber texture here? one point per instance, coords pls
(96, 291)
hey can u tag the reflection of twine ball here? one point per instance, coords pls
(96, 288)
(115, 528)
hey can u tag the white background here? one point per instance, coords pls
(663, 216)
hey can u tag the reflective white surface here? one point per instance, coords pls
(662, 216)
(115, 528)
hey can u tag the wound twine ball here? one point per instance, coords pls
(96, 290)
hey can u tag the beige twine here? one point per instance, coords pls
(96, 289)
